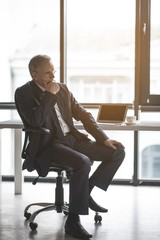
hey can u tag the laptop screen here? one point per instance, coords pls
(112, 113)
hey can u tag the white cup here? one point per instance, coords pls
(131, 119)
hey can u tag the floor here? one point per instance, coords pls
(134, 214)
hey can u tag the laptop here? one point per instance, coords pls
(112, 113)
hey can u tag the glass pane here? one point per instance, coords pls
(100, 45)
(28, 27)
(127, 139)
(7, 143)
(155, 49)
(149, 149)
(149, 155)
(7, 151)
(31, 27)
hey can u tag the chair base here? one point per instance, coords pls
(59, 205)
(45, 207)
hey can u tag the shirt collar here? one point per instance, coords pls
(42, 88)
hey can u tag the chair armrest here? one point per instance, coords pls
(40, 130)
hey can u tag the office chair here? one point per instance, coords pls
(59, 205)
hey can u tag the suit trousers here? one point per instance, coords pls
(79, 156)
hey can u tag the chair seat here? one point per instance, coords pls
(57, 167)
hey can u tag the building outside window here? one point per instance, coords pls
(100, 50)
(155, 48)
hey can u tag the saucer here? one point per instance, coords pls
(131, 123)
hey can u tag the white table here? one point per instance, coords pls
(140, 126)
(17, 126)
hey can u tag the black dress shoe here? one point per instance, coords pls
(75, 229)
(95, 207)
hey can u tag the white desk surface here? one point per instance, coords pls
(140, 126)
(11, 124)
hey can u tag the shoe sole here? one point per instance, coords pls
(73, 235)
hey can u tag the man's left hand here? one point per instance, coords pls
(111, 143)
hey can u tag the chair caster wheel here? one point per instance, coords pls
(27, 215)
(33, 225)
(97, 218)
(65, 213)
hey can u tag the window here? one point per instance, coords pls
(150, 168)
(31, 27)
(111, 55)
(28, 27)
(100, 50)
(155, 47)
(149, 150)
(149, 59)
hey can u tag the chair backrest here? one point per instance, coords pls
(31, 142)
(26, 125)
(29, 150)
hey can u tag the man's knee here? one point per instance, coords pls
(119, 153)
(86, 162)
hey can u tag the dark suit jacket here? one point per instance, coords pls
(35, 108)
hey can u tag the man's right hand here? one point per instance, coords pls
(52, 87)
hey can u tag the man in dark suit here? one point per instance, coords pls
(44, 103)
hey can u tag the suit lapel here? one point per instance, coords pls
(37, 92)
(60, 102)
(63, 106)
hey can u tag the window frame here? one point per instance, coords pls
(146, 100)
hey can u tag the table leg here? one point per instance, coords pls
(135, 174)
(17, 161)
(0, 174)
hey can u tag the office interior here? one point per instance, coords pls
(105, 51)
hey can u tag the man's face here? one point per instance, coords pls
(44, 74)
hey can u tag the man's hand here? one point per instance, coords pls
(52, 87)
(111, 143)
